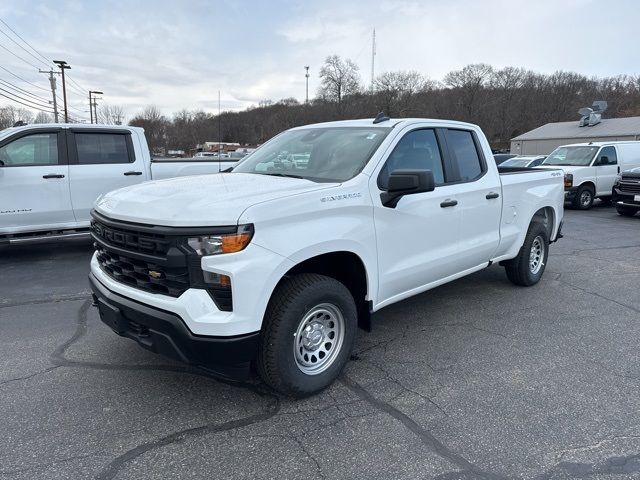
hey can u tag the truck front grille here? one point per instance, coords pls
(630, 185)
(155, 259)
(143, 275)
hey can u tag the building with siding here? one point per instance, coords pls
(543, 140)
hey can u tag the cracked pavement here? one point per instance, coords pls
(477, 379)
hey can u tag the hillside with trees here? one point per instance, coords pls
(504, 102)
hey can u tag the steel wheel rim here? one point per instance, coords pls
(536, 255)
(585, 198)
(318, 339)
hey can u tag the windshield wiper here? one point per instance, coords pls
(289, 175)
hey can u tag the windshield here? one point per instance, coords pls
(516, 162)
(332, 154)
(577, 156)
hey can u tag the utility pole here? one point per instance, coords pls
(307, 78)
(373, 57)
(52, 81)
(64, 66)
(93, 105)
(219, 128)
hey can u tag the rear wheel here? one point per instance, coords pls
(527, 268)
(584, 198)
(308, 334)
(626, 211)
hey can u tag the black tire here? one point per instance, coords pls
(291, 303)
(520, 270)
(626, 211)
(583, 199)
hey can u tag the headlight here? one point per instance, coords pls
(223, 243)
(568, 180)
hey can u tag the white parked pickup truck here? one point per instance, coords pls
(51, 175)
(278, 262)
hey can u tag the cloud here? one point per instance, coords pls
(178, 55)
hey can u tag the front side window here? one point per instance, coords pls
(35, 149)
(608, 156)
(332, 154)
(417, 150)
(100, 148)
(465, 154)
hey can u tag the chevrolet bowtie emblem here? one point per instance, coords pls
(154, 274)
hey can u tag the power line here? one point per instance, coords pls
(22, 91)
(20, 78)
(28, 44)
(23, 103)
(18, 56)
(28, 52)
(33, 103)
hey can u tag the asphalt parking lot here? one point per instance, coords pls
(475, 379)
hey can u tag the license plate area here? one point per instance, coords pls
(112, 317)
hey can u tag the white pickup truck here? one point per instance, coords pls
(279, 261)
(51, 175)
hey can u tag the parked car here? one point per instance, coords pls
(626, 192)
(591, 168)
(51, 175)
(503, 157)
(278, 262)
(527, 161)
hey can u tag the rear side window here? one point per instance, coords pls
(101, 148)
(416, 150)
(35, 149)
(464, 154)
(608, 156)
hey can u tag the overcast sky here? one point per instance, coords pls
(177, 54)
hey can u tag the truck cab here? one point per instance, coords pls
(591, 169)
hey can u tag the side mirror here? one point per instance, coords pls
(407, 182)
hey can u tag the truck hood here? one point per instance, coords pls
(204, 200)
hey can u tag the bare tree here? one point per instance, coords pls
(9, 115)
(338, 78)
(396, 90)
(469, 82)
(43, 117)
(155, 126)
(111, 114)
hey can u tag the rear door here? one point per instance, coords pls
(606, 170)
(101, 160)
(479, 198)
(34, 182)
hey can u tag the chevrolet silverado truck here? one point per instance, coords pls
(277, 262)
(626, 192)
(51, 175)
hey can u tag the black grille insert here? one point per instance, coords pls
(630, 185)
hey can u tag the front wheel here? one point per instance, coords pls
(308, 334)
(584, 198)
(626, 211)
(527, 268)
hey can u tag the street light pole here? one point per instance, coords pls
(307, 79)
(63, 66)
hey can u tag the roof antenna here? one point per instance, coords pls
(381, 117)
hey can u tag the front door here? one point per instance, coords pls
(34, 182)
(417, 240)
(606, 170)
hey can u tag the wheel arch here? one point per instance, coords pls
(346, 267)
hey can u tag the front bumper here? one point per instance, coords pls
(166, 333)
(624, 199)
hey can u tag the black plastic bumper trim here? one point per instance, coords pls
(166, 333)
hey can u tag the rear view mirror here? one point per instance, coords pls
(407, 182)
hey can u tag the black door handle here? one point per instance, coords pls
(449, 203)
(491, 195)
(53, 175)
(132, 173)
